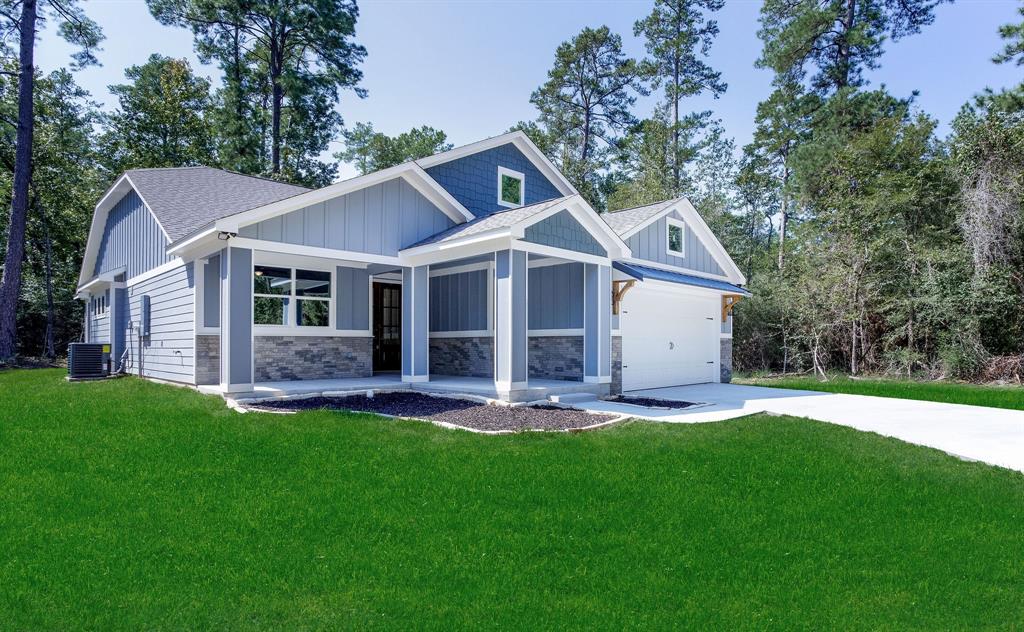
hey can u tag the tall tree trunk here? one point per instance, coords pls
(675, 115)
(843, 79)
(10, 284)
(784, 220)
(49, 347)
(275, 126)
(277, 98)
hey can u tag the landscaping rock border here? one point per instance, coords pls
(475, 414)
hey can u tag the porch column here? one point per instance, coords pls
(236, 370)
(415, 324)
(510, 320)
(597, 323)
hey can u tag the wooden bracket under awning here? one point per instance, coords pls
(619, 289)
(728, 302)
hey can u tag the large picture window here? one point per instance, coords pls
(291, 297)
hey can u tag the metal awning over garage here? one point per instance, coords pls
(644, 272)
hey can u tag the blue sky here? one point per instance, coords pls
(469, 67)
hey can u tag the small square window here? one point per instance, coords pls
(674, 237)
(510, 187)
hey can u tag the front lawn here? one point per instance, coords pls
(130, 505)
(947, 392)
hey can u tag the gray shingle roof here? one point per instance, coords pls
(494, 221)
(185, 199)
(624, 220)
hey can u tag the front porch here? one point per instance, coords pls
(535, 389)
(514, 306)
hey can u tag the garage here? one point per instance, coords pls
(670, 336)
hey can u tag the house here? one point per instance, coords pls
(482, 263)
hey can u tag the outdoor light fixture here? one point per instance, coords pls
(225, 235)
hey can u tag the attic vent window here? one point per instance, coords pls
(510, 187)
(674, 237)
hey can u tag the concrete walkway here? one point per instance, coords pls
(991, 435)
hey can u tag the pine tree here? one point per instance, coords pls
(678, 36)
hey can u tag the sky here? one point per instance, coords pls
(468, 67)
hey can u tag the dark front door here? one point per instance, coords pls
(387, 327)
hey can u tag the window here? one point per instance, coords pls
(291, 297)
(510, 187)
(674, 237)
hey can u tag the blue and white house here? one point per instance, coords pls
(479, 269)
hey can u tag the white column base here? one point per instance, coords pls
(597, 379)
(415, 378)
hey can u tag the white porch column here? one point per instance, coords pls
(416, 324)
(236, 370)
(597, 323)
(510, 320)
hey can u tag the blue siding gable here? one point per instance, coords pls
(561, 230)
(131, 238)
(380, 219)
(473, 179)
(651, 244)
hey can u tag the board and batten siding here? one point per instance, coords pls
(458, 302)
(132, 238)
(555, 295)
(651, 244)
(168, 353)
(380, 220)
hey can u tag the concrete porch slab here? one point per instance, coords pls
(447, 384)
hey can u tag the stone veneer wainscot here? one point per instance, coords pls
(469, 357)
(556, 357)
(312, 357)
(208, 359)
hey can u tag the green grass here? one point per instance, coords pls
(948, 392)
(130, 505)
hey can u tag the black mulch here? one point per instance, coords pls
(651, 402)
(449, 410)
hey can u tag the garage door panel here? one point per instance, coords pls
(668, 339)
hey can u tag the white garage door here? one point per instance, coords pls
(668, 338)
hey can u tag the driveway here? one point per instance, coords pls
(991, 435)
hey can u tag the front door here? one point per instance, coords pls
(387, 327)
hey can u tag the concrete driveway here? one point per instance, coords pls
(991, 435)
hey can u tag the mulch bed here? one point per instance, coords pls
(651, 402)
(459, 412)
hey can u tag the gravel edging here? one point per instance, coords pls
(470, 413)
(652, 402)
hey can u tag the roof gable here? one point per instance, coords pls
(562, 230)
(473, 179)
(644, 229)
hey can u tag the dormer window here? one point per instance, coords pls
(510, 187)
(674, 233)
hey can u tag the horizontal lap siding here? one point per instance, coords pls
(556, 296)
(378, 220)
(651, 244)
(131, 238)
(169, 351)
(458, 302)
